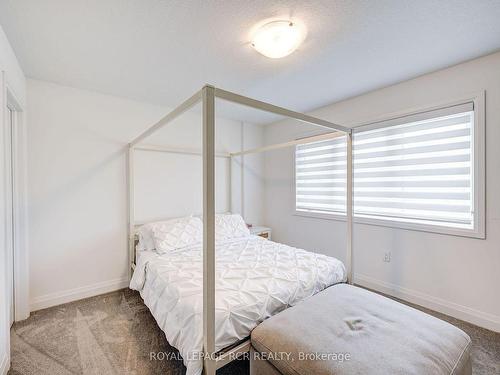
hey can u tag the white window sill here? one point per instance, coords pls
(461, 232)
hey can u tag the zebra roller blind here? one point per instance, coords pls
(413, 169)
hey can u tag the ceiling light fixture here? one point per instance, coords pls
(278, 39)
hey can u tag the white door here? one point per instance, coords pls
(10, 189)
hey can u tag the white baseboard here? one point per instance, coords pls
(4, 364)
(65, 296)
(479, 318)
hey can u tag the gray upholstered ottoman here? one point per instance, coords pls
(349, 330)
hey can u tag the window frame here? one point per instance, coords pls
(478, 166)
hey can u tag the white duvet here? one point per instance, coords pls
(255, 279)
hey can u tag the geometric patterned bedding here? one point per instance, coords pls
(255, 279)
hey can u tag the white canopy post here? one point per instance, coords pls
(186, 105)
(267, 107)
(301, 141)
(349, 198)
(130, 206)
(208, 102)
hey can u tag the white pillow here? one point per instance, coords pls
(229, 226)
(145, 235)
(176, 233)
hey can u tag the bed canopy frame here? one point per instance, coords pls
(214, 360)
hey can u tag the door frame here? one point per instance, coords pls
(20, 265)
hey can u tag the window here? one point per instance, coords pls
(320, 176)
(414, 172)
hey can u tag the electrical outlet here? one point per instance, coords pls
(387, 257)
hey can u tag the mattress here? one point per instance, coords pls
(255, 279)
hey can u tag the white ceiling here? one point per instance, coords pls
(163, 51)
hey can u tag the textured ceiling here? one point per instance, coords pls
(163, 51)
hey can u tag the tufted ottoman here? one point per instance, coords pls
(348, 330)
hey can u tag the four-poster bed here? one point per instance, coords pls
(212, 358)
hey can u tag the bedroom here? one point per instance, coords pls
(82, 80)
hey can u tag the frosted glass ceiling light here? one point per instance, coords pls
(278, 39)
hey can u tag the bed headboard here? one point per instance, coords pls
(134, 239)
(133, 242)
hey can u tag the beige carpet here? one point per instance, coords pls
(115, 334)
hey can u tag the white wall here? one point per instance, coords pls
(14, 79)
(13, 73)
(177, 178)
(455, 275)
(77, 185)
